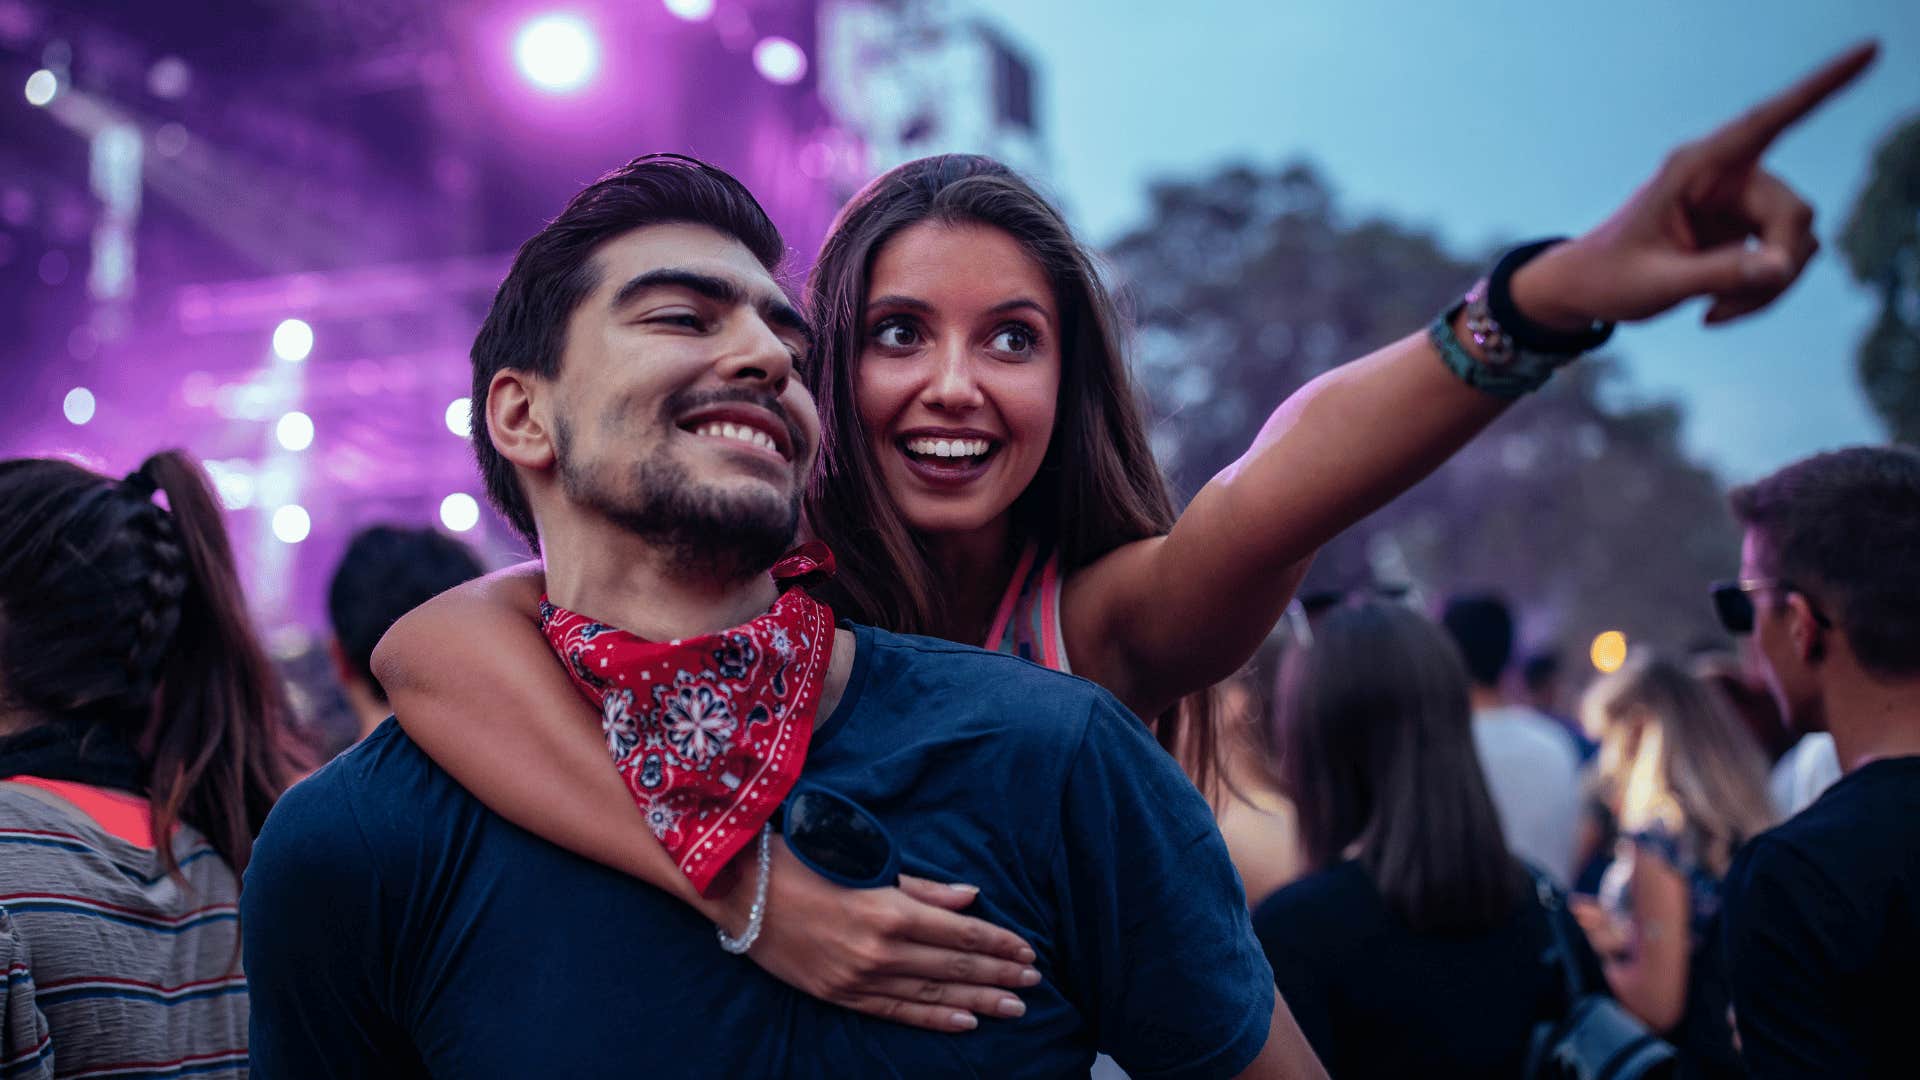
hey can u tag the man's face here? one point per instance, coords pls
(1784, 655)
(675, 414)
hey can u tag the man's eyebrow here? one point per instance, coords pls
(775, 309)
(718, 289)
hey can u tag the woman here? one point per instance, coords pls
(1687, 784)
(985, 477)
(1255, 818)
(142, 740)
(1413, 946)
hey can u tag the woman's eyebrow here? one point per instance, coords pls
(896, 300)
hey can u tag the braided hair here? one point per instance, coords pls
(124, 621)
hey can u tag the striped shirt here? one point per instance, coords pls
(113, 969)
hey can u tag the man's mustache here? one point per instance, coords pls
(686, 401)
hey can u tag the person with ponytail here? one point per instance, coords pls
(143, 738)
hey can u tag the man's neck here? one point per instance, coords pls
(1486, 697)
(1872, 719)
(611, 576)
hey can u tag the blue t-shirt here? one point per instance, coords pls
(396, 927)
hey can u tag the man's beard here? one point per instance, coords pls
(728, 535)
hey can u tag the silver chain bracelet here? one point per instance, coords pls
(756, 915)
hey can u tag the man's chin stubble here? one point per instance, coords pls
(702, 531)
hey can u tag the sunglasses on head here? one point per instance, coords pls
(838, 839)
(1733, 602)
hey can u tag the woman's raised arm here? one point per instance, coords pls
(475, 684)
(1710, 223)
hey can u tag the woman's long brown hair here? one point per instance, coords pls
(1373, 732)
(1098, 486)
(123, 618)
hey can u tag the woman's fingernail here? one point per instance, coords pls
(1012, 1006)
(970, 890)
(1026, 955)
(1029, 977)
(965, 1021)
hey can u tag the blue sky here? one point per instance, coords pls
(1494, 120)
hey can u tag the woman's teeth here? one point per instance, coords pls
(751, 436)
(948, 448)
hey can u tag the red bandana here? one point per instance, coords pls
(709, 732)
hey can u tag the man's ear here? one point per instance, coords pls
(1809, 640)
(515, 418)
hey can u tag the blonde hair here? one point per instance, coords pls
(1673, 757)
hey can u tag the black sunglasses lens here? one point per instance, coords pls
(1734, 607)
(836, 836)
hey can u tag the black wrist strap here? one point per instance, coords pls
(1525, 333)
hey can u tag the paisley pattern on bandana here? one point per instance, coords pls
(709, 732)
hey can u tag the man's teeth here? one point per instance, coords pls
(741, 432)
(949, 447)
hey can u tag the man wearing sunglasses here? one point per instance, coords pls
(641, 421)
(1823, 912)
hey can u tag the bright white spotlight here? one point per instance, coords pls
(78, 406)
(41, 86)
(291, 523)
(233, 479)
(292, 340)
(460, 417)
(690, 10)
(780, 61)
(459, 512)
(295, 431)
(557, 52)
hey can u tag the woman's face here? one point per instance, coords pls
(959, 375)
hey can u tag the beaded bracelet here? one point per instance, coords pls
(1509, 382)
(756, 915)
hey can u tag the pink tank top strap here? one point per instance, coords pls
(1027, 623)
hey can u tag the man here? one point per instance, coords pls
(1823, 911)
(386, 572)
(643, 424)
(1540, 686)
(1532, 767)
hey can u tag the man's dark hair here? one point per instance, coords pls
(387, 572)
(1539, 670)
(526, 329)
(1844, 528)
(1482, 626)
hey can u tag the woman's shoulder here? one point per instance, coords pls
(1341, 895)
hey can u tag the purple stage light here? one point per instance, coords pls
(233, 479)
(78, 406)
(170, 140)
(459, 511)
(780, 61)
(169, 78)
(41, 86)
(460, 417)
(295, 431)
(690, 10)
(54, 266)
(292, 340)
(557, 53)
(291, 524)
